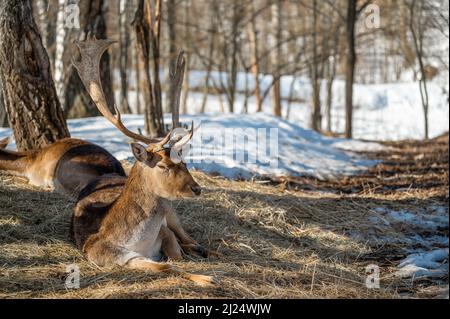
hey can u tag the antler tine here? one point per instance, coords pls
(91, 51)
(176, 85)
(183, 141)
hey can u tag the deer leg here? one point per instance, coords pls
(148, 264)
(170, 246)
(187, 242)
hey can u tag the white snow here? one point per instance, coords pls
(295, 151)
(424, 233)
(433, 264)
(391, 111)
(382, 112)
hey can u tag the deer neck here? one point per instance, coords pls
(139, 190)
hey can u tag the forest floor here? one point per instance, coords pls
(298, 238)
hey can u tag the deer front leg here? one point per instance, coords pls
(148, 264)
(187, 242)
(170, 247)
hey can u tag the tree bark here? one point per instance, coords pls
(275, 57)
(138, 80)
(30, 95)
(59, 52)
(143, 28)
(316, 118)
(154, 16)
(253, 37)
(124, 44)
(417, 34)
(41, 14)
(187, 73)
(172, 37)
(350, 66)
(3, 115)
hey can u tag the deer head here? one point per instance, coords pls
(4, 143)
(167, 178)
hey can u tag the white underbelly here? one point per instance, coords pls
(146, 240)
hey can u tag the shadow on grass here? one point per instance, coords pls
(250, 229)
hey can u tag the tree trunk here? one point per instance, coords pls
(330, 81)
(187, 72)
(154, 16)
(350, 66)
(144, 43)
(332, 62)
(235, 47)
(253, 37)
(138, 80)
(3, 114)
(59, 52)
(41, 14)
(316, 118)
(172, 37)
(124, 37)
(78, 103)
(275, 57)
(417, 34)
(212, 39)
(30, 95)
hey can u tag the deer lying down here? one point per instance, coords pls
(66, 166)
(130, 221)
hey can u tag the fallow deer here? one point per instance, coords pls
(130, 221)
(118, 220)
(66, 166)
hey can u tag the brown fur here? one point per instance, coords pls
(117, 220)
(126, 221)
(67, 165)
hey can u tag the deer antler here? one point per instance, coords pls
(88, 68)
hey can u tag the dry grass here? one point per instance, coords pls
(276, 242)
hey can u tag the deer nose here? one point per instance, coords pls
(196, 189)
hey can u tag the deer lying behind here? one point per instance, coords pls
(67, 165)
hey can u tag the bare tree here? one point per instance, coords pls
(188, 39)
(213, 12)
(58, 66)
(417, 29)
(124, 39)
(35, 117)
(253, 40)
(277, 27)
(41, 14)
(3, 114)
(316, 115)
(353, 12)
(147, 27)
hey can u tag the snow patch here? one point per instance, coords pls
(433, 264)
(424, 233)
(299, 151)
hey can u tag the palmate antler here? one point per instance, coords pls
(88, 68)
(91, 51)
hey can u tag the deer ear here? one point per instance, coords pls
(139, 152)
(4, 142)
